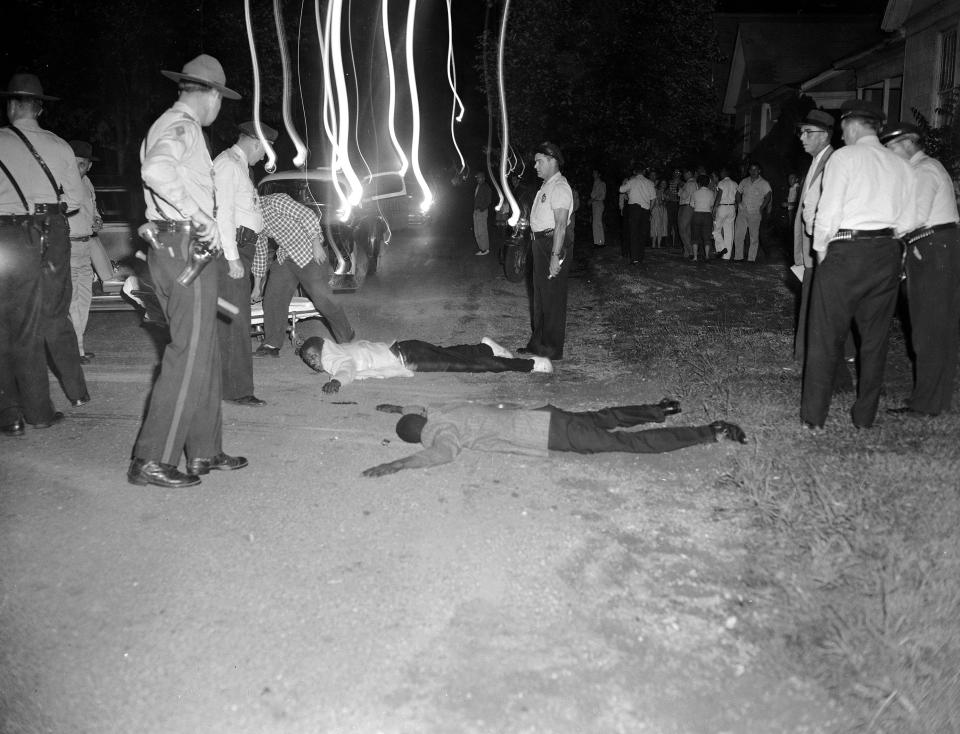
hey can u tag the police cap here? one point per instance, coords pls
(250, 130)
(899, 131)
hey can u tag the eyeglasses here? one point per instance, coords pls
(810, 132)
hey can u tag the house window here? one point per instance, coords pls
(948, 76)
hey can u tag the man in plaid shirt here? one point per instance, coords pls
(301, 260)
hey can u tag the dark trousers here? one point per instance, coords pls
(701, 234)
(425, 357)
(183, 414)
(591, 432)
(933, 293)
(673, 210)
(24, 385)
(638, 230)
(284, 278)
(56, 287)
(233, 332)
(858, 280)
(843, 380)
(549, 301)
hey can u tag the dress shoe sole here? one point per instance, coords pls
(201, 471)
(141, 481)
(19, 431)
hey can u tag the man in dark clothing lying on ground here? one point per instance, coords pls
(450, 429)
(358, 360)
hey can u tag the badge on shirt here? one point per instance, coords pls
(543, 198)
(179, 131)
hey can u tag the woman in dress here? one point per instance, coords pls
(659, 220)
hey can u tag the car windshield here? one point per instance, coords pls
(115, 204)
(317, 193)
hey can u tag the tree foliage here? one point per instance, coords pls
(611, 81)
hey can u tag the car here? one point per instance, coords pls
(122, 211)
(354, 239)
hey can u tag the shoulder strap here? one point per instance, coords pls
(57, 189)
(16, 186)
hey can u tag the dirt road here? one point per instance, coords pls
(498, 594)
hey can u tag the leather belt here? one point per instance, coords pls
(733, 204)
(923, 232)
(16, 218)
(861, 234)
(49, 208)
(246, 236)
(543, 233)
(168, 225)
(85, 238)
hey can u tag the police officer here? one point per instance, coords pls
(866, 203)
(933, 276)
(39, 183)
(240, 220)
(183, 414)
(551, 249)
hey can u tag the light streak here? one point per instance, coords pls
(301, 157)
(415, 105)
(271, 165)
(329, 113)
(392, 105)
(515, 209)
(342, 154)
(486, 85)
(452, 79)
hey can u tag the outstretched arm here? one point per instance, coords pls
(444, 450)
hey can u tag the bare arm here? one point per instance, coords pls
(444, 450)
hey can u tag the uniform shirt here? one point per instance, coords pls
(865, 186)
(687, 191)
(293, 226)
(81, 223)
(752, 193)
(702, 200)
(811, 192)
(936, 202)
(451, 429)
(36, 187)
(639, 190)
(176, 167)
(555, 193)
(237, 202)
(599, 191)
(359, 360)
(728, 191)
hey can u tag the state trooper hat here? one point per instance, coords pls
(83, 149)
(204, 70)
(818, 118)
(26, 85)
(861, 108)
(250, 130)
(551, 150)
(899, 131)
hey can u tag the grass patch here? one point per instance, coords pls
(855, 551)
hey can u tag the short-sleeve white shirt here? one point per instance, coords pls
(555, 193)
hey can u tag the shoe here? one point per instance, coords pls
(249, 401)
(57, 417)
(669, 406)
(498, 351)
(86, 357)
(143, 472)
(221, 461)
(525, 350)
(481, 253)
(908, 411)
(265, 350)
(729, 431)
(83, 400)
(13, 429)
(812, 426)
(542, 364)
(721, 253)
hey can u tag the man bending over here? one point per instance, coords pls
(446, 431)
(362, 359)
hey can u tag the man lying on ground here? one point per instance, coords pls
(362, 359)
(446, 431)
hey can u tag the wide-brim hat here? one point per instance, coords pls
(818, 118)
(900, 130)
(861, 108)
(250, 130)
(204, 70)
(551, 150)
(26, 85)
(83, 149)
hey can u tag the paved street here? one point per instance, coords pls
(498, 594)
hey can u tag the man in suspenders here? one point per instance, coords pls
(183, 415)
(39, 185)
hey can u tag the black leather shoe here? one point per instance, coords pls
(57, 417)
(80, 401)
(812, 426)
(908, 411)
(265, 350)
(670, 407)
(143, 473)
(249, 401)
(221, 461)
(524, 350)
(730, 431)
(13, 429)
